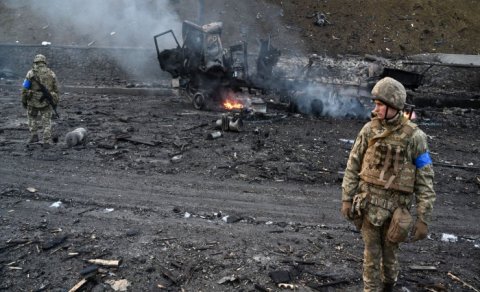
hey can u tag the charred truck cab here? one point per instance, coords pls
(206, 71)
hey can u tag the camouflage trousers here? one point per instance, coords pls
(40, 118)
(380, 264)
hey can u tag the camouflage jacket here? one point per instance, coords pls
(31, 94)
(416, 152)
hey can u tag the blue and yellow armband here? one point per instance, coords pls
(27, 84)
(422, 160)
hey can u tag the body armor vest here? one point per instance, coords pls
(45, 76)
(385, 163)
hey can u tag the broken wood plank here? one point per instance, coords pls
(195, 127)
(461, 281)
(166, 238)
(136, 140)
(107, 263)
(457, 166)
(78, 285)
(54, 242)
(422, 268)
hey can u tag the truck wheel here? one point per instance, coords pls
(198, 101)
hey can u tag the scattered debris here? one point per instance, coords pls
(422, 268)
(231, 218)
(57, 204)
(214, 135)
(89, 271)
(176, 158)
(261, 288)
(455, 278)
(78, 285)
(449, 237)
(280, 276)
(54, 242)
(320, 19)
(102, 262)
(128, 138)
(119, 285)
(196, 127)
(227, 279)
(229, 123)
(76, 137)
(287, 286)
(472, 168)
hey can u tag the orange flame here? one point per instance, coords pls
(231, 104)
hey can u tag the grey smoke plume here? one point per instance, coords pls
(329, 100)
(99, 23)
(325, 86)
(105, 23)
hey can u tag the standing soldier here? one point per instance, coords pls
(39, 108)
(388, 167)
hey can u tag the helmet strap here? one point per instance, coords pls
(386, 113)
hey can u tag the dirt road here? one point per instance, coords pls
(184, 212)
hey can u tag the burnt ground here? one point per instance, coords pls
(188, 213)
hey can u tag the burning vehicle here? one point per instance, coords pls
(212, 76)
(209, 74)
(216, 77)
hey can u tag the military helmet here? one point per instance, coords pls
(40, 58)
(391, 92)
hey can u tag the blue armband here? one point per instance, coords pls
(27, 84)
(422, 160)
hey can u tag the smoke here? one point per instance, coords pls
(103, 24)
(329, 100)
(265, 19)
(248, 22)
(110, 23)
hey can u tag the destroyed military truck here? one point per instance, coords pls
(206, 71)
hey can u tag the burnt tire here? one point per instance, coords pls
(198, 101)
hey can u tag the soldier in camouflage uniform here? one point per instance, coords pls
(39, 112)
(389, 166)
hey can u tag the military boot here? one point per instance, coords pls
(388, 287)
(33, 138)
(47, 143)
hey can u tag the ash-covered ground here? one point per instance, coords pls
(184, 212)
(176, 211)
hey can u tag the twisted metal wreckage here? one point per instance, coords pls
(206, 72)
(210, 75)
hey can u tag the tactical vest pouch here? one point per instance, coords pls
(55, 98)
(400, 225)
(357, 215)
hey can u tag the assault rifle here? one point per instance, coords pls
(46, 95)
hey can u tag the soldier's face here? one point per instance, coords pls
(381, 112)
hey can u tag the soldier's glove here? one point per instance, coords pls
(24, 100)
(420, 230)
(346, 209)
